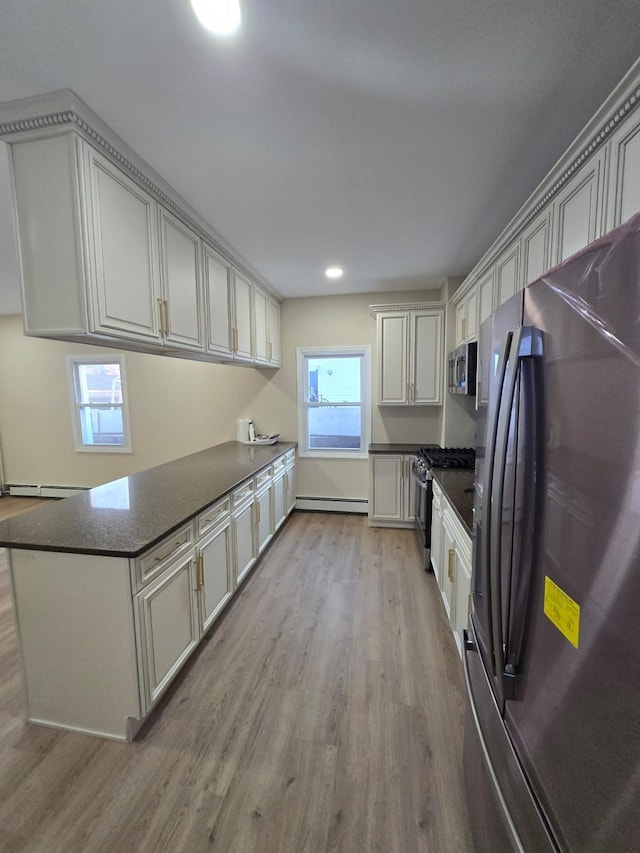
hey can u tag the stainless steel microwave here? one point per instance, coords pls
(461, 369)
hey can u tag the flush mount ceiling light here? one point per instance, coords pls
(333, 272)
(221, 17)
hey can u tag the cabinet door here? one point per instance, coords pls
(181, 282)
(386, 487)
(461, 594)
(260, 319)
(290, 484)
(244, 540)
(436, 537)
(242, 314)
(486, 301)
(217, 288)
(624, 173)
(123, 251)
(408, 497)
(264, 527)
(273, 309)
(535, 248)
(279, 500)
(448, 572)
(392, 338)
(217, 574)
(461, 322)
(507, 280)
(169, 620)
(425, 358)
(471, 315)
(578, 211)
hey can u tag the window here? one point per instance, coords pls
(334, 413)
(99, 403)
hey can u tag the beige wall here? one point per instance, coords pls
(179, 407)
(339, 321)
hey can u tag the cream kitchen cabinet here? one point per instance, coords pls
(261, 325)
(486, 295)
(111, 255)
(451, 560)
(242, 326)
(263, 509)
(409, 355)
(273, 315)
(215, 576)
(535, 247)
(180, 266)
(279, 493)
(169, 623)
(290, 481)
(244, 516)
(218, 302)
(623, 199)
(506, 272)
(391, 502)
(578, 210)
(467, 318)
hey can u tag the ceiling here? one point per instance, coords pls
(396, 139)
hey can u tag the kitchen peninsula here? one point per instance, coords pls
(116, 586)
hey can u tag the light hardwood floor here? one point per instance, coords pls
(323, 713)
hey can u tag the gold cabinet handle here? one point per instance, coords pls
(173, 550)
(166, 317)
(161, 310)
(199, 572)
(464, 328)
(270, 351)
(451, 566)
(234, 337)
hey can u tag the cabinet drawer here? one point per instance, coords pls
(155, 560)
(243, 492)
(263, 478)
(278, 465)
(289, 457)
(212, 515)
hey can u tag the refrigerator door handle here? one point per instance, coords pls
(526, 344)
(492, 429)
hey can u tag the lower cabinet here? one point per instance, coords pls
(451, 560)
(290, 481)
(169, 621)
(216, 576)
(391, 493)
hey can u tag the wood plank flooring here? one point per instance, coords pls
(323, 714)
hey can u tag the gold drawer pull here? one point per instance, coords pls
(451, 569)
(173, 550)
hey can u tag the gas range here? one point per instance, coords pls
(442, 457)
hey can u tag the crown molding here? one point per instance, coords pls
(61, 112)
(406, 306)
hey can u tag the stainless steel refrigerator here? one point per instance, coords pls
(552, 654)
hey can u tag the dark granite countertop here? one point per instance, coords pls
(458, 485)
(398, 448)
(125, 517)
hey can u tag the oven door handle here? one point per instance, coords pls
(422, 485)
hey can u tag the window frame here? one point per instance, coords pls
(303, 405)
(72, 362)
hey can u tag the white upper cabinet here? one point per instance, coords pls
(507, 267)
(218, 300)
(181, 283)
(122, 250)
(273, 311)
(261, 321)
(243, 346)
(409, 347)
(111, 255)
(578, 209)
(624, 174)
(535, 247)
(486, 295)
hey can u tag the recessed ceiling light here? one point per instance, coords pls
(333, 272)
(221, 17)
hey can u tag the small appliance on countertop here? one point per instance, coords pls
(246, 433)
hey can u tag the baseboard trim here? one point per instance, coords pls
(354, 505)
(17, 490)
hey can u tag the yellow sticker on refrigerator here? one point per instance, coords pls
(562, 610)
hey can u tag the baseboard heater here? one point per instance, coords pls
(357, 505)
(20, 490)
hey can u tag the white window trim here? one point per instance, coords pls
(303, 353)
(72, 360)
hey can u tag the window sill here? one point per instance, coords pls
(332, 454)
